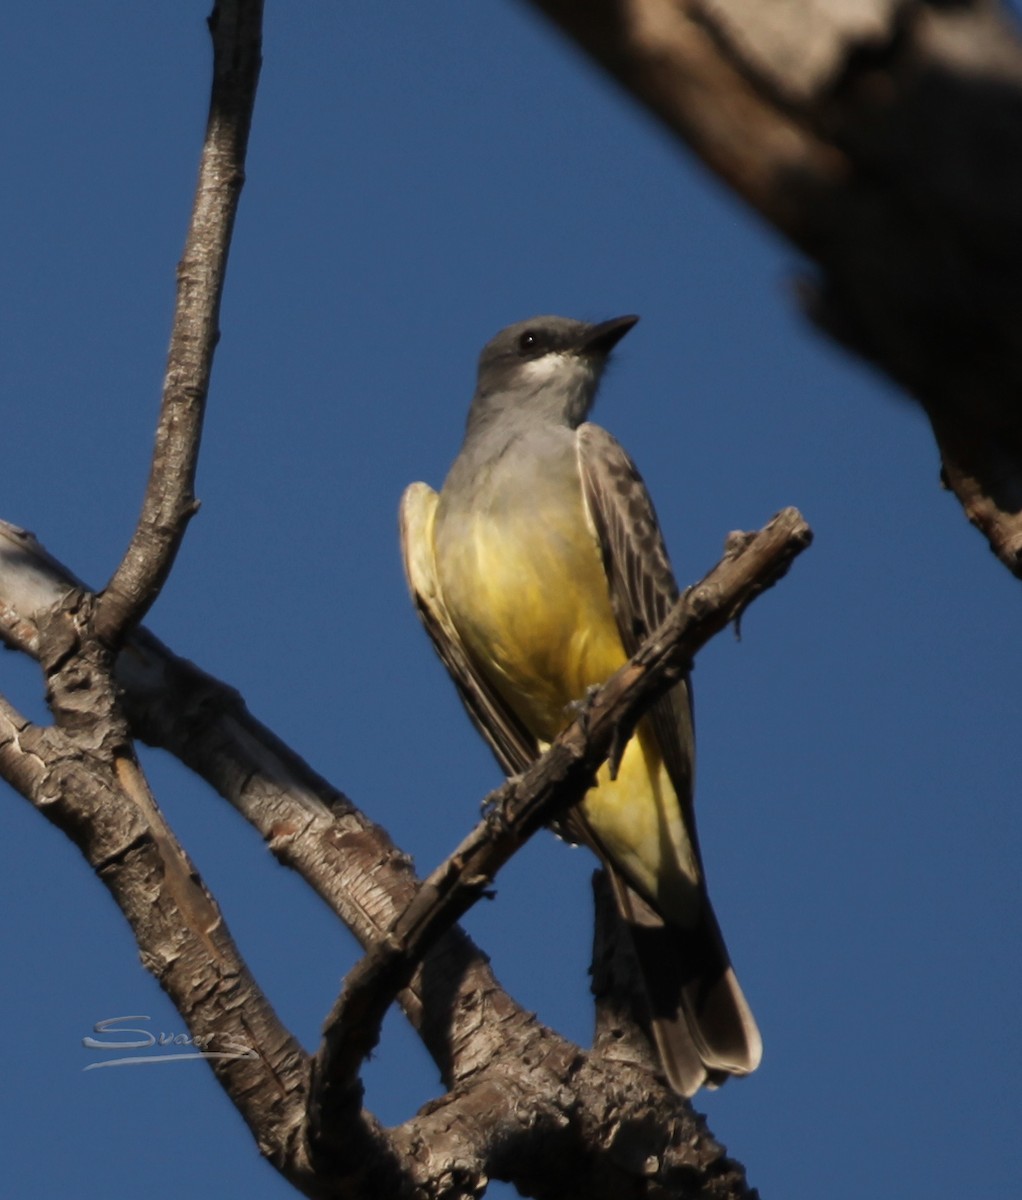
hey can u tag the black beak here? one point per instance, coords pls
(601, 339)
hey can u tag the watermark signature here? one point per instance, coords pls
(186, 1045)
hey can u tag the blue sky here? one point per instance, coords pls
(420, 176)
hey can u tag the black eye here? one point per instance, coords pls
(527, 340)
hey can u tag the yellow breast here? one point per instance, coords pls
(531, 602)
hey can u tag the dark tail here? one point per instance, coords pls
(701, 1022)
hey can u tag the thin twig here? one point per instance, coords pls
(169, 504)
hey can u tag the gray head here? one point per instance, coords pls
(547, 366)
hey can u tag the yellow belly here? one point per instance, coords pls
(638, 821)
(534, 607)
(543, 625)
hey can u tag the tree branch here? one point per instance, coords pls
(105, 807)
(20, 762)
(523, 1098)
(884, 139)
(169, 504)
(309, 825)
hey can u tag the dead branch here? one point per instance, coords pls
(169, 504)
(104, 806)
(600, 1124)
(309, 825)
(884, 139)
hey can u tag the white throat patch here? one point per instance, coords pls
(557, 365)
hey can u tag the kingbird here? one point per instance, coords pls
(538, 570)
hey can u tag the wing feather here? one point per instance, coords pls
(515, 748)
(642, 587)
(700, 1019)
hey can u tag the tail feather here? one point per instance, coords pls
(701, 1022)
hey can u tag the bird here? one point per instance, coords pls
(538, 570)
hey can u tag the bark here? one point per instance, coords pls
(236, 31)
(884, 139)
(523, 1103)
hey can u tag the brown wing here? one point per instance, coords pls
(642, 587)
(515, 748)
(701, 1022)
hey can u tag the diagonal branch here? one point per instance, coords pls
(105, 807)
(169, 503)
(752, 563)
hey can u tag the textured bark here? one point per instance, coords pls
(884, 139)
(82, 775)
(523, 1103)
(236, 31)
